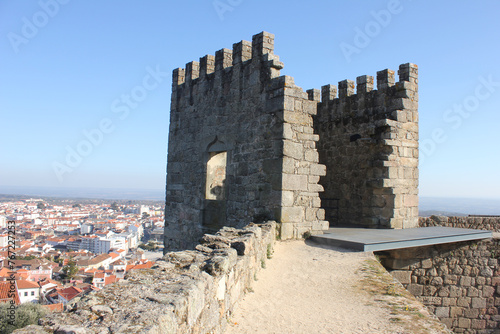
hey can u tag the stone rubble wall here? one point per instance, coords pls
(459, 282)
(193, 291)
(369, 144)
(478, 223)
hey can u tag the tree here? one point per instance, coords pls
(70, 269)
(150, 246)
(77, 205)
(26, 314)
(145, 215)
(40, 205)
(114, 206)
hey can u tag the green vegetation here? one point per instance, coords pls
(70, 269)
(269, 251)
(150, 246)
(19, 317)
(40, 205)
(27, 257)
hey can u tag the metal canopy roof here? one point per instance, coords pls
(364, 239)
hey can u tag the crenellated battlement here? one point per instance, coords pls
(365, 84)
(262, 44)
(370, 137)
(246, 143)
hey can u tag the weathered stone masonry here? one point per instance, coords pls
(193, 291)
(237, 103)
(242, 148)
(459, 282)
(369, 144)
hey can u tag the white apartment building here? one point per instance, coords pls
(28, 291)
(4, 240)
(3, 222)
(86, 228)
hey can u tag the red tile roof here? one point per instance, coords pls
(146, 265)
(5, 287)
(22, 284)
(110, 279)
(4, 272)
(69, 293)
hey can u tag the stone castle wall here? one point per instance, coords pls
(459, 282)
(186, 292)
(243, 148)
(478, 223)
(369, 144)
(237, 104)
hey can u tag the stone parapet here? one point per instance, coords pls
(478, 223)
(186, 292)
(368, 140)
(458, 282)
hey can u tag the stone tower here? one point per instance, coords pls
(245, 145)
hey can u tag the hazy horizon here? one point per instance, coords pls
(462, 205)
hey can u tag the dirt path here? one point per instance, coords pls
(307, 288)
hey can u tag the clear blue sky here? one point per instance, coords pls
(65, 68)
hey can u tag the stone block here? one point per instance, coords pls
(311, 155)
(428, 300)
(295, 182)
(442, 312)
(488, 291)
(286, 231)
(415, 289)
(315, 188)
(288, 165)
(403, 276)
(449, 302)
(464, 301)
(456, 312)
(466, 281)
(297, 118)
(478, 302)
(292, 214)
(472, 292)
(464, 323)
(320, 225)
(427, 263)
(293, 150)
(455, 291)
(471, 313)
(478, 324)
(287, 198)
(311, 214)
(318, 169)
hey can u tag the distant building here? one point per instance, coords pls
(6, 293)
(64, 295)
(28, 291)
(4, 240)
(86, 228)
(144, 209)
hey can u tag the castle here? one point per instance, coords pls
(248, 145)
